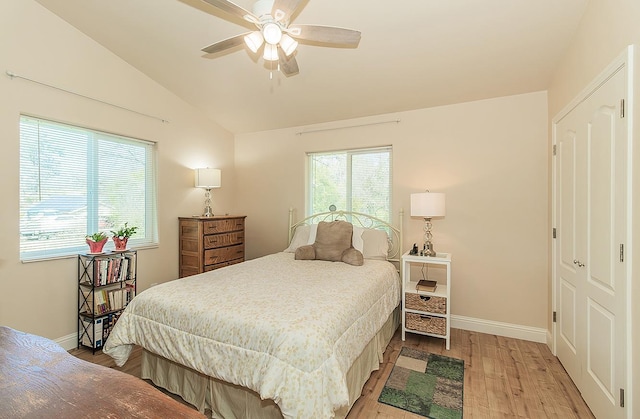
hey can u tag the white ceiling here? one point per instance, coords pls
(413, 54)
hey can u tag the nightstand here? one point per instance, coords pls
(426, 313)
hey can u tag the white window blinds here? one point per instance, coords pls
(75, 181)
(352, 180)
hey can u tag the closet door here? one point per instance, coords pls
(569, 221)
(591, 198)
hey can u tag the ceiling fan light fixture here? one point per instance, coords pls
(272, 33)
(254, 41)
(270, 52)
(288, 44)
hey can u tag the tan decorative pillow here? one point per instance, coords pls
(333, 243)
(353, 256)
(332, 239)
(306, 252)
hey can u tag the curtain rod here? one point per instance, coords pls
(16, 76)
(397, 121)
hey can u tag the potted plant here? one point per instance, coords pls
(121, 236)
(96, 241)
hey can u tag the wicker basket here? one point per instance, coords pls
(425, 303)
(427, 324)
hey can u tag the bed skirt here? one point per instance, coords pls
(230, 401)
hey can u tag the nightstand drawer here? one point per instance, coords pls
(427, 324)
(428, 303)
(226, 239)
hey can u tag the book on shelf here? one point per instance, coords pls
(426, 285)
(92, 332)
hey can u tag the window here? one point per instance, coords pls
(75, 181)
(352, 180)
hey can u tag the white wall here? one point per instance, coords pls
(606, 29)
(489, 157)
(41, 297)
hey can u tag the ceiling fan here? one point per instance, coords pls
(272, 19)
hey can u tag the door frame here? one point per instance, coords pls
(626, 62)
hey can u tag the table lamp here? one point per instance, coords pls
(208, 179)
(427, 205)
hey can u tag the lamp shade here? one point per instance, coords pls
(427, 204)
(254, 41)
(288, 44)
(208, 178)
(270, 52)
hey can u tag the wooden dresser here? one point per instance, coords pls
(208, 243)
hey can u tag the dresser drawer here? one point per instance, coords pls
(222, 265)
(223, 254)
(212, 241)
(223, 226)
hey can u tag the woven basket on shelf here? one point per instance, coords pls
(425, 303)
(427, 324)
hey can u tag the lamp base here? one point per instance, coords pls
(207, 204)
(428, 250)
(207, 212)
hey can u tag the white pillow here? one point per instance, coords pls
(313, 230)
(357, 242)
(304, 234)
(376, 244)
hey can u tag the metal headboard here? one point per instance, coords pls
(357, 219)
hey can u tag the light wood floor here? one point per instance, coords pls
(503, 378)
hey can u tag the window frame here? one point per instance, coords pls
(89, 138)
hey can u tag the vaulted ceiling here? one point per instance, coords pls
(413, 54)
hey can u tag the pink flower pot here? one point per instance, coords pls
(121, 244)
(96, 247)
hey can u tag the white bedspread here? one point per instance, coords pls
(287, 329)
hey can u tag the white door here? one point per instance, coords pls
(591, 187)
(570, 302)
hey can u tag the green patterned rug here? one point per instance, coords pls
(426, 384)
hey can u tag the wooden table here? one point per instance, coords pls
(39, 379)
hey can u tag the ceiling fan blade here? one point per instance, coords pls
(326, 35)
(288, 65)
(228, 43)
(284, 9)
(233, 9)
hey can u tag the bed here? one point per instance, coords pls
(272, 336)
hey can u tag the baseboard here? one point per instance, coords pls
(509, 330)
(68, 342)
(550, 341)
